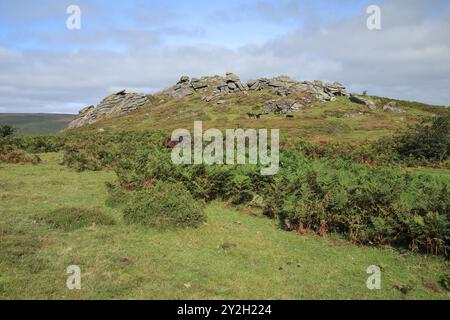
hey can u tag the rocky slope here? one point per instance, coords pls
(293, 96)
(114, 105)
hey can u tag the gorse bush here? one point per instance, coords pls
(15, 149)
(70, 219)
(426, 141)
(81, 160)
(19, 157)
(37, 144)
(164, 205)
(6, 131)
(10, 153)
(41, 144)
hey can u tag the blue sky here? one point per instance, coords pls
(146, 46)
(41, 24)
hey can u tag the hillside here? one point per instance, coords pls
(36, 123)
(312, 110)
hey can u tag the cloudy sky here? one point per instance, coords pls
(147, 45)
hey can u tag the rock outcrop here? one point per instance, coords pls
(285, 86)
(293, 95)
(116, 104)
(208, 87)
(215, 87)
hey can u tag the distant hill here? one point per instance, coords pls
(36, 123)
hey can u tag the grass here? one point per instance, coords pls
(70, 219)
(234, 256)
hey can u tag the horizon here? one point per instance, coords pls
(146, 47)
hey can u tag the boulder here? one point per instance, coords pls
(282, 106)
(392, 106)
(232, 86)
(251, 83)
(197, 85)
(363, 101)
(184, 79)
(231, 77)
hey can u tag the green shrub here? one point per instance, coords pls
(6, 131)
(240, 189)
(424, 141)
(81, 160)
(42, 144)
(70, 219)
(165, 205)
(371, 205)
(10, 154)
(444, 281)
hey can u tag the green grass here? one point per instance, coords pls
(234, 256)
(70, 219)
(36, 124)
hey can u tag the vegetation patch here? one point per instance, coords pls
(117, 197)
(165, 205)
(371, 205)
(429, 142)
(70, 219)
(18, 157)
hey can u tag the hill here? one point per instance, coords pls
(314, 110)
(36, 123)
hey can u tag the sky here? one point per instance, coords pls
(145, 46)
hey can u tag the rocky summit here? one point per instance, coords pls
(293, 95)
(211, 88)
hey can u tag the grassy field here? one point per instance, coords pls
(36, 124)
(234, 256)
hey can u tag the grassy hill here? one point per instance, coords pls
(340, 120)
(36, 124)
